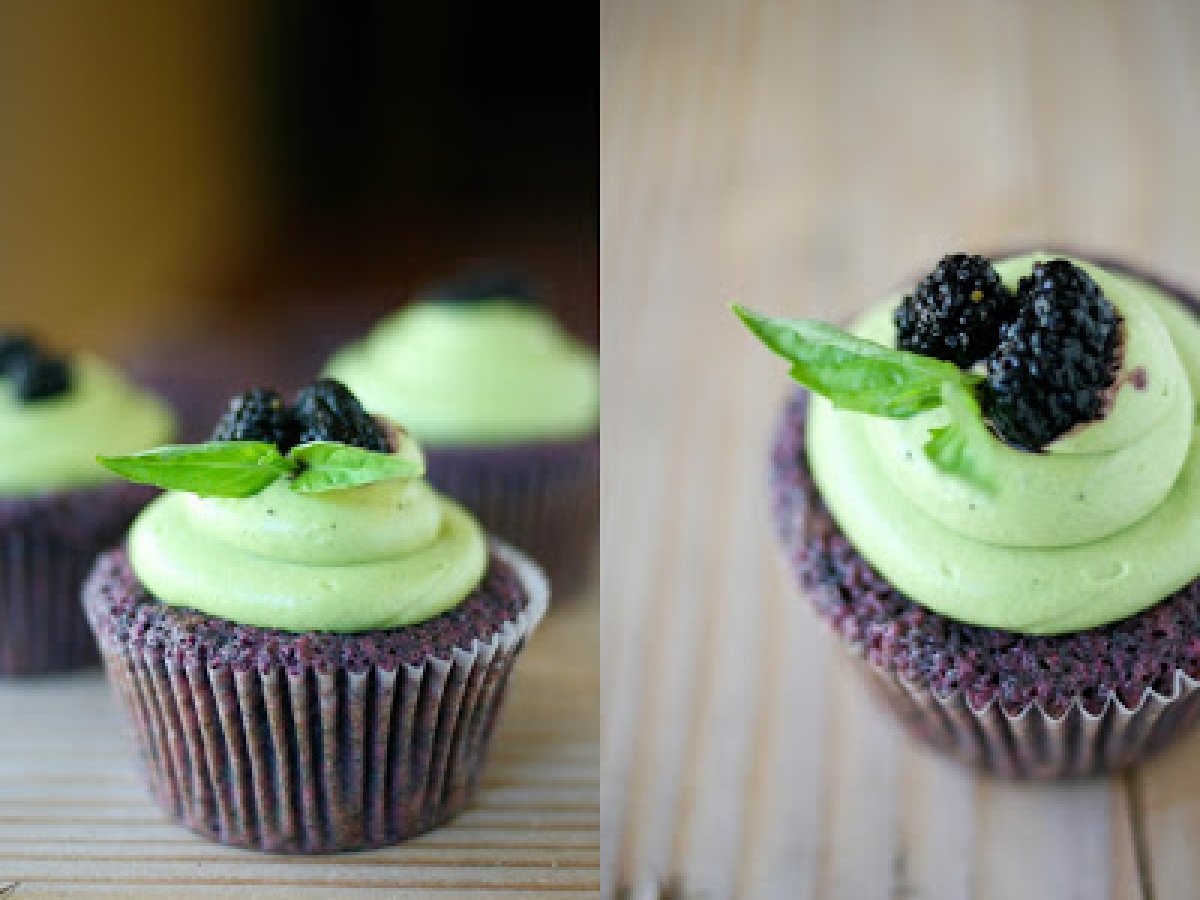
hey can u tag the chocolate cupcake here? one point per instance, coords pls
(311, 643)
(58, 507)
(1005, 535)
(506, 405)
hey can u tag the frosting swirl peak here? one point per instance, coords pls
(384, 555)
(1100, 525)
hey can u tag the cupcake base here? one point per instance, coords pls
(543, 497)
(318, 742)
(1015, 705)
(49, 544)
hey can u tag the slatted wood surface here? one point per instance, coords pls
(75, 820)
(805, 157)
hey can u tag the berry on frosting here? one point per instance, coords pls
(327, 411)
(955, 312)
(40, 377)
(257, 415)
(1055, 360)
(323, 411)
(482, 284)
(35, 374)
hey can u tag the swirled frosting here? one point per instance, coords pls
(490, 372)
(52, 444)
(1099, 526)
(384, 555)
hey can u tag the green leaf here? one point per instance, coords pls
(964, 447)
(216, 469)
(863, 376)
(854, 373)
(326, 466)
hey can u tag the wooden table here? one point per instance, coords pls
(804, 157)
(76, 821)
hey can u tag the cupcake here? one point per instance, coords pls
(312, 644)
(990, 491)
(507, 407)
(58, 507)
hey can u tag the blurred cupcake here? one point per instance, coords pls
(58, 507)
(1001, 517)
(507, 406)
(312, 643)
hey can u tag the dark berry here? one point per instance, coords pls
(257, 415)
(482, 284)
(327, 411)
(955, 312)
(1054, 360)
(14, 348)
(38, 377)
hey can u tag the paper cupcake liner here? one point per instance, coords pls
(318, 760)
(49, 545)
(543, 497)
(1034, 744)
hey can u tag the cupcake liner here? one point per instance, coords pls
(49, 543)
(1035, 744)
(315, 759)
(544, 497)
(1113, 715)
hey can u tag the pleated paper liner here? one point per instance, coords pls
(543, 497)
(311, 760)
(50, 543)
(1033, 744)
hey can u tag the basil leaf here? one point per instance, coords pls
(854, 373)
(327, 466)
(963, 447)
(216, 469)
(863, 376)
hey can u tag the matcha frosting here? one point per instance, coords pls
(489, 372)
(1102, 524)
(383, 555)
(52, 443)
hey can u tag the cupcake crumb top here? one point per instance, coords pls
(124, 614)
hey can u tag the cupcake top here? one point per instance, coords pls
(308, 516)
(58, 412)
(476, 362)
(1027, 459)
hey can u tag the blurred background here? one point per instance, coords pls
(218, 191)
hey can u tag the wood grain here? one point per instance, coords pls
(804, 157)
(76, 821)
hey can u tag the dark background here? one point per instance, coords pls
(220, 192)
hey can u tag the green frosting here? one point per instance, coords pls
(1101, 525)
(52, 443)
(384, 555)
(492, 372)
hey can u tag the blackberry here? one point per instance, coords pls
(1054, 360)
(257, 415)
(955, 311)
(39, 377)
(484, 283)
(14, 348)
(327, 411)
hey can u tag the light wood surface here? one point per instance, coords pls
(804, 157)
(76, 821)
